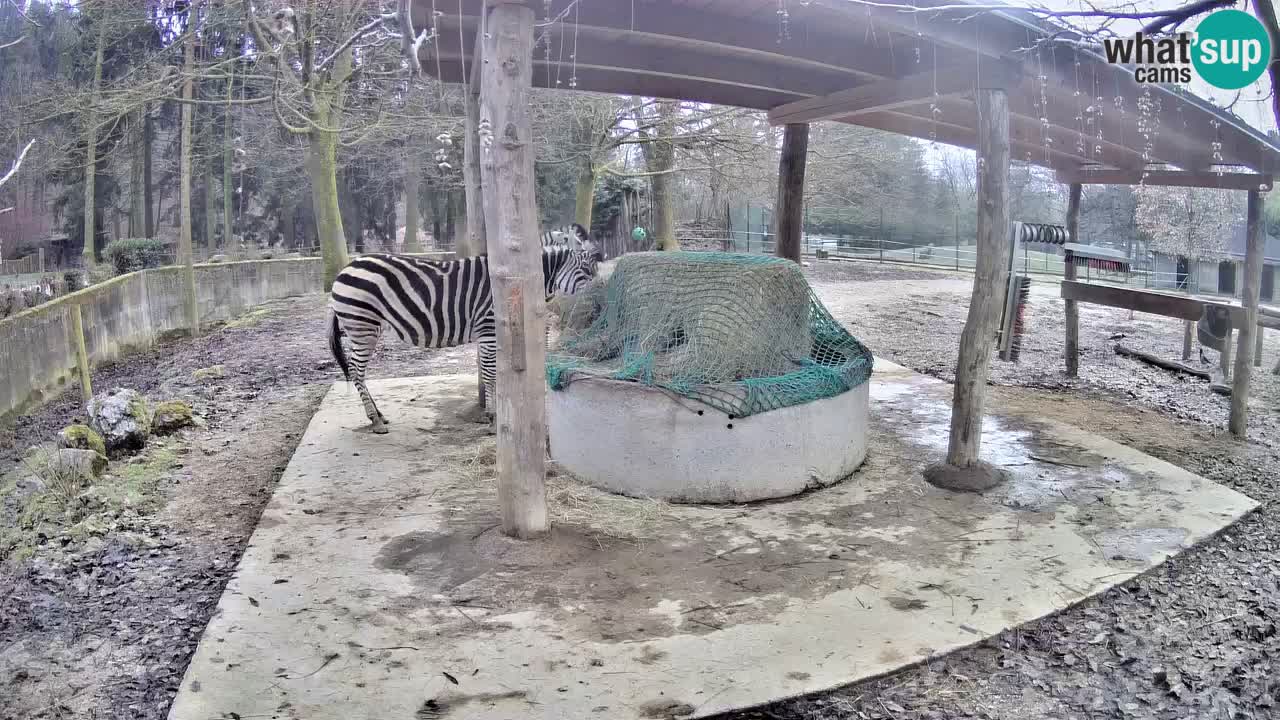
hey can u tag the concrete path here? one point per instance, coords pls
(376, 584)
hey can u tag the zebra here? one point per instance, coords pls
(573, 236)
(432, 304)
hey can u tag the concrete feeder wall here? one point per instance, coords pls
(635, 440)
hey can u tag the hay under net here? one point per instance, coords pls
(741, 333)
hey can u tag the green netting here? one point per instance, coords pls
(741, 333)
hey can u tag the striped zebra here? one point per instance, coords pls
(431, 304)
(573, 236)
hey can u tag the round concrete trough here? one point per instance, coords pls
(639, 441)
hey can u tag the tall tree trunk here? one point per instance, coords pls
(474, 242)
(148, 139)
(91, 148)
(184, 190)
(322, 164)
(436, 235)
(660, 156)
(451, 217)
(137, 200)
(584, 197)
(288, 223)
(228, 166)
(389, 220)
(412, 175)
(352, 212)
(99, 222)
(210, 203)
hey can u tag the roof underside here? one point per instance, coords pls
(912, 73)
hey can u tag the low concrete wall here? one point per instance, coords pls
(635, 440)
(38, 352)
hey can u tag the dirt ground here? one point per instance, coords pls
(104, 627)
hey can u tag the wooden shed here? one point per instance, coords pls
(1005, 83)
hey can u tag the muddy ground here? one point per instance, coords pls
(103, 627)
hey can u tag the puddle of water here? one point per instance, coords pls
(1041, 470)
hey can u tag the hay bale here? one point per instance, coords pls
(576, 312)
(699, 318)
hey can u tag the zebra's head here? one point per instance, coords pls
(568, 269)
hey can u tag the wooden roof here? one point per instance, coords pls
(911, 73)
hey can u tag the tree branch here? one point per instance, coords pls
(16, 164)
(359, 33)
(1267, 14)
(1180, 15)
(22, 10)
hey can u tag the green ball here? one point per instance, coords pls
(639, 234)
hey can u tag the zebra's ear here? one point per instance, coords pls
(581, 236)
(592, 253)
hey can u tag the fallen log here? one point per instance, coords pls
(1160, 362)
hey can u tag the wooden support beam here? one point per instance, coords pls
(629, 82)
(1178, 178)
(82, 354)
(1256, 243)
(1071, 309)
(1147, 301)
(893, 93)
(515, 270)
(790, 207)
(591, 48)
(474, 240)
(676, 23)
(992, 263)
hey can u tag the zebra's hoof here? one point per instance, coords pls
(380, 429)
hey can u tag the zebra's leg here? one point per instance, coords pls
(364, 341)
(488, 354)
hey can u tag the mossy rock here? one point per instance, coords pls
(122, 418)
(213, 372)
(82, 437)
(170, 417)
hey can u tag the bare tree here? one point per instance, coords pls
(311, 54)
(1191, 222)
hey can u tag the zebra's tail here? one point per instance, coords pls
(335, 345)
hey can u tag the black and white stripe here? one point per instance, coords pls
(572, 236)
(430, 304)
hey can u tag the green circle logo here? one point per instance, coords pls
(1232, 49)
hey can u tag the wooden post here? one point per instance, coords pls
(962, 470)
(82, 353)
(1187, 332)
(40, 258)
(789, 215)
(472, 182)
(1257, 347)
(515, 269)
(1224, 358)
(1071, 309)
(1249, 299)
